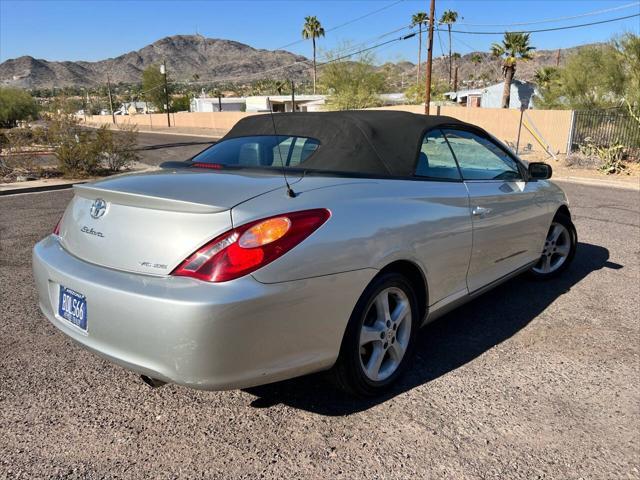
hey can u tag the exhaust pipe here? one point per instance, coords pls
(152, 382)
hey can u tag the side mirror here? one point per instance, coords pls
(540, 171)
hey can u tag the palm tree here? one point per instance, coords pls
(449, 17)
(515, 46)
(312, 29)
(545, 76)
(476, 58)
(419, 19)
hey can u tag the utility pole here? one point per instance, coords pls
(219, 102)
(113, 117)
(84, 107)
(455, 79)
(293, 97)
(427, 95)
(163, 71)
(558, 58)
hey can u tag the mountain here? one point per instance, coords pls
(218, 60)
(185, 55)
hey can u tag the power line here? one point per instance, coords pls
(473, 49)
(552, 20)
(306, 61)
(349, 22)
(404, 37)
(550, 29)
(364, 16)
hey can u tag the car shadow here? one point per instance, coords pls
(448, 343)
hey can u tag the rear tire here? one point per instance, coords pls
(559, 248)
(380, 337)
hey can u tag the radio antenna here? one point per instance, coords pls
(290, 191)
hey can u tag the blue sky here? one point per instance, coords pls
(93, 30)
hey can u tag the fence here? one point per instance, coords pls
(218, 123)
(606, 128)
(554, 126)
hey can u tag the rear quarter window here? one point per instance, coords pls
(260, 151)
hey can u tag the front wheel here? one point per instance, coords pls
(379, 338)
(559, 248)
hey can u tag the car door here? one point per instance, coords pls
(509, 217)
(446, 241)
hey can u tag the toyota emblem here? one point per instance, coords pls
(98, 208)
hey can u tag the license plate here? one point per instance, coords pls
(72, 306)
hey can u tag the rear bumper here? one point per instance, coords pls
(207, 336)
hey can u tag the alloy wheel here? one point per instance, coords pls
(557, 247)
(385, 334)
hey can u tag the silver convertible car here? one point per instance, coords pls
(298, 243)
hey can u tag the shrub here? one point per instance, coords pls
(73, 147)
(16, 152)
(116, 149)
(76, 155)
(608, 159)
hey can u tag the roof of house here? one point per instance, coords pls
(375, 142)
(214, 100)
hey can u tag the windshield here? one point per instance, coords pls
(261, 151)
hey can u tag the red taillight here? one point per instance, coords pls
(251, 246)
(56, 229)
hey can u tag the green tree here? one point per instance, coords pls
(16, 105)
(181, 103)
(415, 94)
(419, 19)
(592, 78)
(312, 29)
(153, 87)
(549, 87)
(352, 84)
(476, 58)
(515, 46)
(449, 17)
(628, 53)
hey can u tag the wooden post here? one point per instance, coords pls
(427, 93)
(455, 79)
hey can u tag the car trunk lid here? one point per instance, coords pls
(149, 223)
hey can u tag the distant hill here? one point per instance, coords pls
(470, 74)
(215, 60)
(186, 56)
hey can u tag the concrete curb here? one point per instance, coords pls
(164, 132)
(596, 182)
(198, 135)
(40, 188)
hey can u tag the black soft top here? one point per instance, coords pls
(374, 142)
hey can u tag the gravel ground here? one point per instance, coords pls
(532, 380)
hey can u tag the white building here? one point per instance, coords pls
(283, 103)
(491, 96)
(258, 103)
(213, 104)
(279, 103)
(132, 108)
(393, 99)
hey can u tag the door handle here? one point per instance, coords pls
(480, 212)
